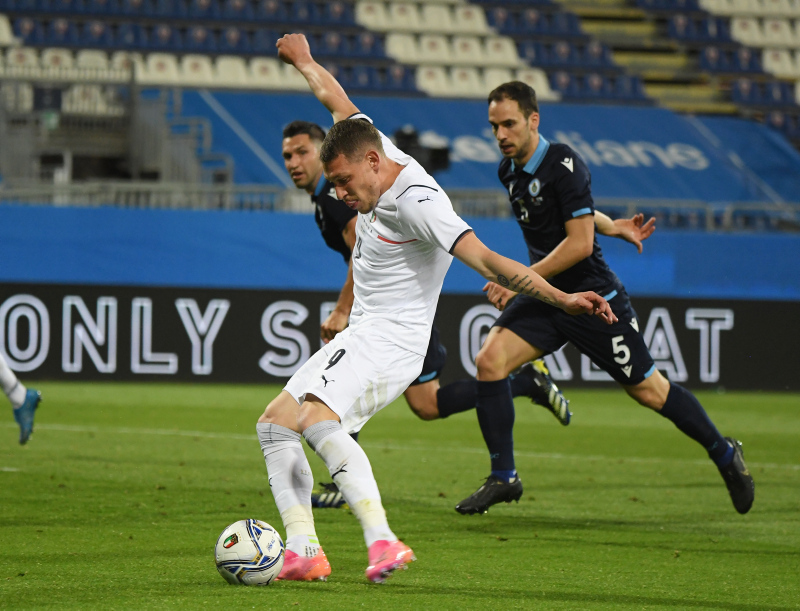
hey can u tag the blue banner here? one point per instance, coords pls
(632, 152)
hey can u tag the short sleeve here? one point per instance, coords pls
(573, 189)
(430, 217)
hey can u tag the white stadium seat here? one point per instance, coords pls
(265, 73)
(57, 59)
(501, 51)
(745, 8)
(467, 50)
(22, 61)
(797, 93)
(90, 59)
(538, 80)
(717, 7)
(403, 47)
(230, 71)
(197, 71)
(747, 31)
(404, 16)
(470, 20)
(6, 33)
(777, 8)
(292, 79)
(372, 15)
(778, 32)
(467, 82)
(435, 18)
(433, 80)
(779, 62)
(494, 77)
(127, 61)
(434, 49)
(796, 34)
(159, 69)
(84, 100)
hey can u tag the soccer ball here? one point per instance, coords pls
(249, 552)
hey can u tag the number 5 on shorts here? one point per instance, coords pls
(622, 352)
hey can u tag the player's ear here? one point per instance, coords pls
(373, 159)
(533, 121)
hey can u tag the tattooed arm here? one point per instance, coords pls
(521, 279)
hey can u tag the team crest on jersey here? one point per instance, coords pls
(373, 217)
(534, 187)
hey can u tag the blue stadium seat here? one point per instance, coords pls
(62, 33)
(336, 12)
(240, 10)
(66, 6)
(778, 94)
(669, 5)
(745, 91)
(565, 84)
(204, 9)
(628, 87)
(200, 39)
(744, 60)
(25, 6)
(531, 21)
(368, 44)
(101, 7)
(234, 41)
(713, 29)
(535, 53)
(97, 34)
(131, 36)
(397, 78)
(502, 20)
(271, 11)
(333, 44)
(301, 12)
(137, 7)
(713, 59)
(364, 77)
(565, 24)
(563, 54)
(164, 37)
(264, 41)
(681, 27)
(170, 8)
(596, 54)
(31, 32)
(595, 86)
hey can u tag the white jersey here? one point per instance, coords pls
(402, 253)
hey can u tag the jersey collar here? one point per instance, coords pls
(536, 160)
(320, 186)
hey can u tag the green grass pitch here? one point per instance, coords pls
(118, 499)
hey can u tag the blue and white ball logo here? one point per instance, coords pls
(534, 187)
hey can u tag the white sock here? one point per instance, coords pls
(291, 481)
(350, 469)
(14, 389)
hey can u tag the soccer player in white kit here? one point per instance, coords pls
(23, 400)
(407, 235)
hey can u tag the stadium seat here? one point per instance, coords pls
(22, 59)
(131, 36)
(595, 86)
(234, 40)
(717, 7)
(713, 59)
(502, 20)
(780, 63)
(126, 60)
(164, 37)
(433, 80)
(563, 54)
(712, 29)
(745, 91)
(533, 53)
(292, 79)
(90, 59)
(230, 71)
(434, 49)
(435, 18)
(137, 8)
(333, 44)
(399, 78)
(403, 47)
(338, 13)
(204, 9)
(466, 82)
(96, 34)
(778, 32)
(6, 35)
(66, 6)
(364, 77)
(62, 33)
(404, 16)
(747, 31)
(264, 41)
(565, 24)
(628, 87)
(196, 71)
(84, 100)
(501, 51)
(265, 73)
(494, 77)
(170, 8)
(745, 8)
(301, 11)
(565, 84)
(238, 10)
(271, 11)
(596, 54)
(538, 80)
(467, 50)
(778, 8)
(778, 94)
(200, 39)
(744, 60)
(373, 16)
(56, 59)
(101, 7)
(469, 19)
(159, 69)
(682, 28)
(367, 44)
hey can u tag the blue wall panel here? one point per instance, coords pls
(275, 250)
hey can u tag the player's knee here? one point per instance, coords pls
(491, 364)
(424, 410)
(650, 393)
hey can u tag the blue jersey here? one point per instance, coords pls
(552, 188)
(332, 216)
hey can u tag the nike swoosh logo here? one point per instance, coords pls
(567, 163)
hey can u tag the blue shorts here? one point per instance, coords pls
(618, 349)
(435, 359)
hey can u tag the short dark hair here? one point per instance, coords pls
(350, 138)
(522, 93)
(312, 130)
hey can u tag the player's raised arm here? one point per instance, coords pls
(293, 49)
(521, 279)
(633, 230)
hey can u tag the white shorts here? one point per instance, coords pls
(357, 374)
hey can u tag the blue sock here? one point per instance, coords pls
(456, 397)
(495, 408)
(521, 385)
(686, 413)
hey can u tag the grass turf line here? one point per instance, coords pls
(120, 495)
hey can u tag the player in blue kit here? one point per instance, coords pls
(336, 223)
(549, 188)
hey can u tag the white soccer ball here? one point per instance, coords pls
(249, 552)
